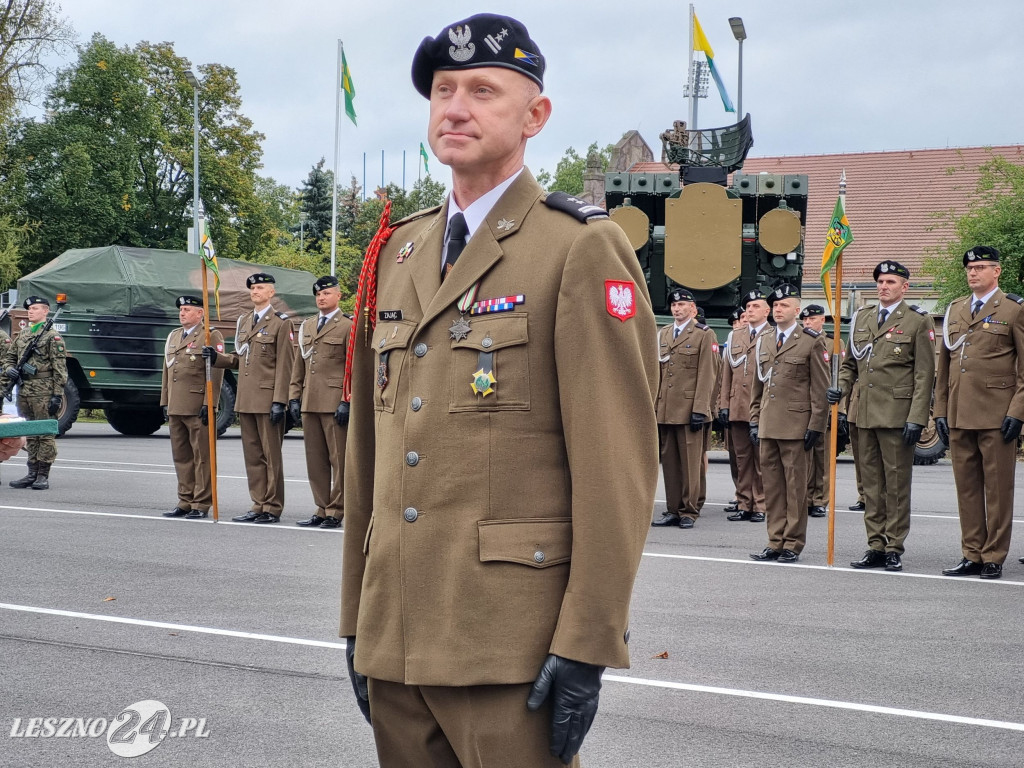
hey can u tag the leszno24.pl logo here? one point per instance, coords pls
(135, 730)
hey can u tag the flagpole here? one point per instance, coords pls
(337, 143)
(211, 413)
(834, 415)
(690, 74)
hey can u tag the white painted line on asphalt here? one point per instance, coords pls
(920, 715)
(167, 625)
(1010, 726)
(159, 517)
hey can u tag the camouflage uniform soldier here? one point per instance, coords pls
(40, 394)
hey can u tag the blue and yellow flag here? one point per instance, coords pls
(349, 89)
(700, 43)
(839, 236)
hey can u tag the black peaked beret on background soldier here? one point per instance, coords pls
(889, 267)
(188, 301)
(784, 291)
(812, 310)
(735, 315)
(259, 277)
(35, 300)
(484, 40)
(680, 294)
(981, 253)
(700, 315)
(752, 296)
(327, 281)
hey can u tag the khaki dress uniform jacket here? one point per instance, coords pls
(484, 532)
(788, 398)
(34, 393)
(263, 358)
(895, 366)
(981, 381)
(687, 386)
(183, 393)
(318, 373)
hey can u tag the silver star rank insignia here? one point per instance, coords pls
(506, 224)
(459, 329)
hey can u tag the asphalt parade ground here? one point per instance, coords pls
(232, 629)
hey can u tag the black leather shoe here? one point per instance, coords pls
(816, 512)
(767, 554)
(313, 522)
(739, 514)
(872, 559)
(732, 506)
(964, 568)
(858, 507)
(266, 517)
(331, 522)
(196, 514)
(757, 517)
(893, 562)
(991, 571)
(788, 556)
(248, 517)
(667, 519)
(176, 512)
(686, 522)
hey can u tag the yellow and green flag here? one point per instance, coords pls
(349, 89)
(423, 154)
(210, 257)
(839, 236)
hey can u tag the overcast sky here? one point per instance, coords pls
(819, 76)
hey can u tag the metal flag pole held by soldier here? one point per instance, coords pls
(211, 414)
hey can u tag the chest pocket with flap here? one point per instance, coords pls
(504, 337)
(391, 345)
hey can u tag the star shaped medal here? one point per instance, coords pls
(460, 329)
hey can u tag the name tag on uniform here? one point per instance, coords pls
(385, 315)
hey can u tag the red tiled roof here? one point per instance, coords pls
(890, 199)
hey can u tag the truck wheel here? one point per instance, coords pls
(68, 413)
(929, 448)
(226, 407)
(134, 420)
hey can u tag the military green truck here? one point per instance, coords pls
(120, 308)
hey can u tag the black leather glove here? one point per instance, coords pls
(295, 411)
(942, 428)
(811, 438)
(573, 687)
(911, 433)
(833, 395)
(753, 435)
(163, 410)
(12, 375)
(341, 414)
(210, 353)
(204, 415)
(723, 417)
(359, 685)
(842, 433)
(1010, 429)
(696, 422)
(276, 413)
(56, 401)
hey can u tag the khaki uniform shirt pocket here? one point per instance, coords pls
(501, 342)
(534, 542)
(391, 345)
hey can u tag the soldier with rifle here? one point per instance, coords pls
(36, 363)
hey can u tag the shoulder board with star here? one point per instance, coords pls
(919, 310)
(1015, 297)
(578, 209)
(282, 315)
(812, 333)
(418, 215)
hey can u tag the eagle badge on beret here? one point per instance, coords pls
(462, 50)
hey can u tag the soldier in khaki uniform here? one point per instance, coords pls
(687, 350)
(979, 409)
(734, 406)
(849, 407)
(737, 322)
(314, 399)
(787, 419)
(40, 393)
(263, 358)
(813, 317)
(502, 453)
(892, 354)
(183, 398)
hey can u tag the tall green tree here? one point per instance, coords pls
(568, 175)
(315, 200)
(30, 30)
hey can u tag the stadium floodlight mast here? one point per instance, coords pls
(196, 235)
(740, 34)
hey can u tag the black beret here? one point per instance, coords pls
(259, 277)
(889, 267)
(680, 294)
(981, 253)
(484, 40)
(812, 310)
(188, 301)
(784, 291)
(700, 315)
(327, 281)
(752, 296)
(734, 316)
(35, 300)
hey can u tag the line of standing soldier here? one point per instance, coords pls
(274, 375)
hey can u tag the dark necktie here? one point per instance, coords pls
(255, 318)
(320, 323)
(752, 335)
(457, 231)
(881, 317)
(782, 340)
(977, 308)
(675, 332)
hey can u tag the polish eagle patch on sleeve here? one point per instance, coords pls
(620, 298)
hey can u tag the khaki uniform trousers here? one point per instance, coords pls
(983, 467)
(190, 451)
(886, 467)
(682, 462)
(264, 467)
(324, 441)
(733, 469)
(784, 470)
(855, 450)
(817, 473)
(482, 726)
(749, 488)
